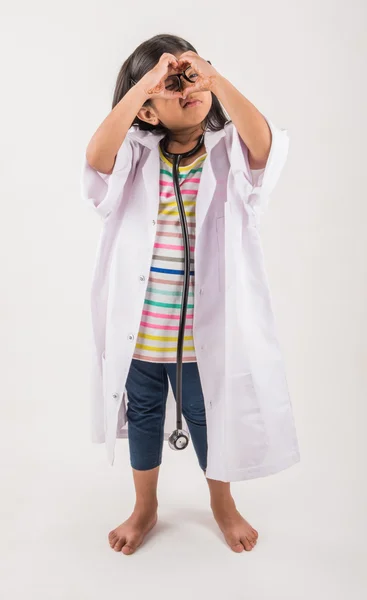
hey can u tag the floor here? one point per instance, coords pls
(60, 501)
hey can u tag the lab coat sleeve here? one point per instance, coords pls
(103, 192)
(256, 191)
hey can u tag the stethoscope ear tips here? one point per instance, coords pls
(179, 439)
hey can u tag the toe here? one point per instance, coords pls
(237, 547)
(234, 542)
(251, 538)
(119, 544)
(128, 549)
(112, 538)
(247, 544)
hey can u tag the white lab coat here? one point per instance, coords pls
(250, 425)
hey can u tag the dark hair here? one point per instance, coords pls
(142, 60)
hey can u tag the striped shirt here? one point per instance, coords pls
(158, 332)
(159, 325)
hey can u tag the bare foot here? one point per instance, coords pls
(237, 531)
(128, 536)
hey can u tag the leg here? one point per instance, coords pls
(128, 536)
(237, 531)
(193, 407)
(147, 389)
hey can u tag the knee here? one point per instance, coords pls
(195, 415)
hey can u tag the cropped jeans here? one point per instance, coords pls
(147, 389)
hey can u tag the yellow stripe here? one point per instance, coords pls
(176, 213)
(182, 169)
(163, 338)
(167, 204)
(154, 349)
(166, 209)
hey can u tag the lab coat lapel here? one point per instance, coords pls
(204, 195)
(150, 172)
(207, 181)
(150, 169)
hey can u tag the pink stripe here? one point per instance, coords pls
(170, 194)
(189, 179)
(169, 222)
(169, 281)
(167, 327)
(172, 247)
(163, 359)
(148, 313)
(172, 234)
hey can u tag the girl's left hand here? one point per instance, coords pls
(206, 74)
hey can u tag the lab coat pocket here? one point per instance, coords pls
(246, 424)
(220, 222)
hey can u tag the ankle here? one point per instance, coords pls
(142, 505)
(220, 500)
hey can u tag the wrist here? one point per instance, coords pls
(146, 84)
(140, 89)
(218, 84)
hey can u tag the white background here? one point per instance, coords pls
(303, 65)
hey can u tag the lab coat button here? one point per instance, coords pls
(153, 222)
(115, 396)
(142, 278)
(130, 336)
(108, 214)
(201, 291)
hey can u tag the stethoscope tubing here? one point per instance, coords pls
(185, 290)
(187, 261)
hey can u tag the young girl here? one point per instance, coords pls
(234, 393)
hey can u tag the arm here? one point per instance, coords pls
(249, 122)
(110, 135)
(106, 141)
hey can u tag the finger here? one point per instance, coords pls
(191, 89)
(188, 59)
(172, 63)
(169, 58)
(188, 55)
(168, 61)
(184, 63)
(171, 94)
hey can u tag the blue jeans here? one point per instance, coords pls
(147, 390)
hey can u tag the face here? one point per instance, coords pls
(173, 113)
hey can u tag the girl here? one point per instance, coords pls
(235, 399)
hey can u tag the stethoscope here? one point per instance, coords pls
(179, 438)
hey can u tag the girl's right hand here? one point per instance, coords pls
(153, 82)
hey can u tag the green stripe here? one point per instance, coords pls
(166, 305)
(157, 291)
(180, 174)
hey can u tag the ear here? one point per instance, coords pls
(147, 114)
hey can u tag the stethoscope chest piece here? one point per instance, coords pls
(179, 439)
